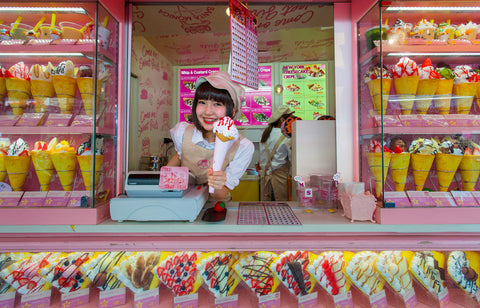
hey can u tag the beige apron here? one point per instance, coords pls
(198, 159)
(274, 184)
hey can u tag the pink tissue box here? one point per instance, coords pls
(358, 207)
(388, 121)
(398, 197)
(423, 120)
(10, 198)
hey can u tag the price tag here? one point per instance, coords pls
(379, 300)
(36, 300)
(147, 299)
(111, 298)
(343, 300)
(227, 302)
(308, 192)
(186, 301)
(308, 301)
(269, 301)
(77, 298)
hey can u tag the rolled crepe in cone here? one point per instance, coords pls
(477, 95)
(399, 169)
(43, 167)
(3, 88)
(41, 91)
(425, 91)
(421, 164)
(446, 165)
(443, 96)
(64, 163)
(379, 96)
(17, 169)
(465, 93)
(85, 163)
(65, 88)
(18, 94)
(379, 169)
(3, 170)
(469, 170)
(85, 86)
(406, 88)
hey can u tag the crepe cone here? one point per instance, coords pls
(466, 91)
(85, 163)
(43, 167)
(18, 94)
(421, 164)
(399, 169)
(3, 170)
(446, 165)
(3, 88)
(219, 153)
(378, 96)
(443, 96)
(85, 86)
(65, 87)
(65, 166)
(406, 88)
(469, 170)
(17, 169)
(425, 91)
(378, 170)
(477, 95)
(41, 91)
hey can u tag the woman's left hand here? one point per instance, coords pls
(216, 179)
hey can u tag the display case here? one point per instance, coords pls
(419, 105)
(58, 89)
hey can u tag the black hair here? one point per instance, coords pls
(206, 91)
(268, 130)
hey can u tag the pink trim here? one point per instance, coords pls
(355, 144)
(427, 215)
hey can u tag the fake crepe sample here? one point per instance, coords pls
(255, 270)
(136, 270)
(291, 269)
(216, 270)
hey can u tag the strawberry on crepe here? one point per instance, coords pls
(399, 163)
(464, 87)
(470, 166)
(17, 163)
(427, 86)
(18, 87)
(405, 80)
(378, 163)
(43, 162)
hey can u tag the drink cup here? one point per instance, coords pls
(103, 36)
(71, 30)
(307, 197)
(19, 31)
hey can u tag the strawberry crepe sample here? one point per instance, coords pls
(405, 80)
(7, 259)
(136, 270)
(3, 87)
(4, 145)
(24, 275)
(328, 269)
(399, 163)
(470, 167)
(64, 273)
(179, 272)
(99, 269)
(18, 87)
(393, 267)
(43, 162)
(291, 269)
(379, 81)
(361, 271)
(64, 158)
(461, 267)
(216, 269)
(427, 86)
(255, 270)
(17, 163)
(378, 163)
(226, 133)
(464, 88)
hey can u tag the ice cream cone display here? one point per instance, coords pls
(360, 269)
(463, 267)
(65, 86)
(443, 94)
(41, 86)
(470, 167)
(399, 169)
(85, 161)
(4, 145)
(422, 156)
(378, 163)
(42, 162)
(64, 160)
(18, 87)
(17, 163)
(379, 81)
(226, 133)
(85, 85)
(3, 86)
(427, 86)
(329, 270)
(464, 88)
(405, 80)
(393, 267)
(447, 161)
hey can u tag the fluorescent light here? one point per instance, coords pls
(426, 8)
(438, 54)
(41, 54)
(77, 10)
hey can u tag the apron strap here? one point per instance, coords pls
(268, 165)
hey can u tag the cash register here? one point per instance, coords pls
(166, 195)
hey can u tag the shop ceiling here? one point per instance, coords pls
(199, 34)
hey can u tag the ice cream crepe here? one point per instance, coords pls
(422, 156)
(470, 167)
(360, 269)
(393, 266)
(379, 81)
(85, 83)
(446, 163)
(399, 169)
(65, 85)
(41, 85)
(3, 86)
(405, 80)
(42, 162)
(17, 163)
(4, 145)
(329, 270)
(378, 163)
(86, 163)
(64, 158)
(427, 86)
(443, 94)
(464, 88)
(18, 87)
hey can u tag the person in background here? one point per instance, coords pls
(275, 152)
(216, 96)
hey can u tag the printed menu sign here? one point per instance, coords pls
(244, 45)
(188, 77)
(257, 106)
(305, 89)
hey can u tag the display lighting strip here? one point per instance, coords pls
(77, 10)
(426, 8)
(437, 54)
(41, 54)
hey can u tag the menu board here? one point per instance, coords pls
(188, 77)
(244, 45)
(257, 106)
(305, 89)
